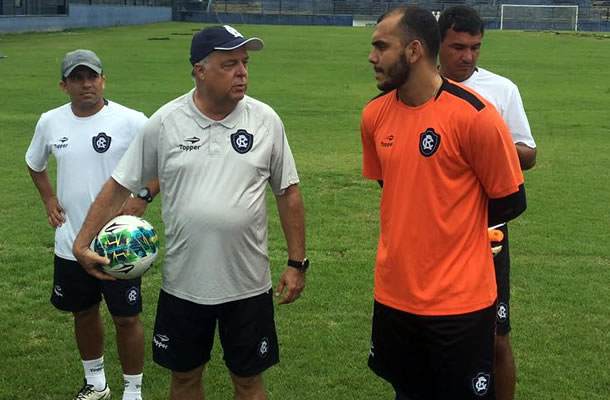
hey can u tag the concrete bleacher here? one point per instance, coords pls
(594, 15)
(366, 7)
(365, 12)
(85, 16)
(351, 7)
(603, 7)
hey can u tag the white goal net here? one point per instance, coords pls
(539, 17)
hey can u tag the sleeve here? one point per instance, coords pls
(139, 163)
(371, 165)
(283, 171)
(141, 120)
(491, 153)
(37, 154)
(516, 119)
(137, 121)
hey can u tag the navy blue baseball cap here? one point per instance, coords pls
(220, 38)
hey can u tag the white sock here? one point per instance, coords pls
(94, 373)
(132, 387)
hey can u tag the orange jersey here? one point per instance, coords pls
(440, 164)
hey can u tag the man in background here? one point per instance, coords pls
(462, 32)
(87, 137)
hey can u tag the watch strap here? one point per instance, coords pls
(300, 265)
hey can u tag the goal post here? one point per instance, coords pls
(539, 16)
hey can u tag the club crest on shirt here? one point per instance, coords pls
(242, 141)
(429, 142)
(101, 142)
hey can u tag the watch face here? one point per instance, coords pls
(143, 193)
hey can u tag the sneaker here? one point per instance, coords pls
(88, 393)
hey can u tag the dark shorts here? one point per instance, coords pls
(434, 358)
(75, 290)
(502, 266)
(184, 334)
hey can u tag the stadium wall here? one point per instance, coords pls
(264, 19)
(342, 20)
(85, 16)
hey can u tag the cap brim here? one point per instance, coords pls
(88, 65)
(250, 44)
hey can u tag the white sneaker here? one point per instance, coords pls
(88, 393)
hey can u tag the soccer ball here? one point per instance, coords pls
(130, 243)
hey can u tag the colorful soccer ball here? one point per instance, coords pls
(130, 243)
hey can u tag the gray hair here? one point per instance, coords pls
(204, 62)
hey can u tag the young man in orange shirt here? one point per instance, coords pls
(448, 167)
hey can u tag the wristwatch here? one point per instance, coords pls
(300, 265)
(144, 194)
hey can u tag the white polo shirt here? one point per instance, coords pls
(213, 177)
(504, 95)
(87, 150)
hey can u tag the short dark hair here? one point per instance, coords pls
(417, 23)
(462, 19)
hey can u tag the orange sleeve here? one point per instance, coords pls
(492, 154)
(371, 165)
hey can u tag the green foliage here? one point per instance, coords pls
(318, 79)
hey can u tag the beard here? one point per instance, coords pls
(397, 73)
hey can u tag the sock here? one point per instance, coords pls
(132, 387)
(94, 373)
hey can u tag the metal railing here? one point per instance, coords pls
(359, 9)
(490, 10)
(60, 7)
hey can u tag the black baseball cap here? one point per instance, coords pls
(220, 38)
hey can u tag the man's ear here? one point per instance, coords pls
(63, 87)
(414, 51)
(199, 71)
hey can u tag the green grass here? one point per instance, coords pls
(318, 79)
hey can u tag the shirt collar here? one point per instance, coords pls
(230, 121)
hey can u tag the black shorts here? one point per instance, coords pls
(502, 267)
(75, 290)
(435, 358)
(184, 334)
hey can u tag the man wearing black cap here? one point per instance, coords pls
(215, 150)
(88, 137)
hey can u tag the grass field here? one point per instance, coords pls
(318, 79)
